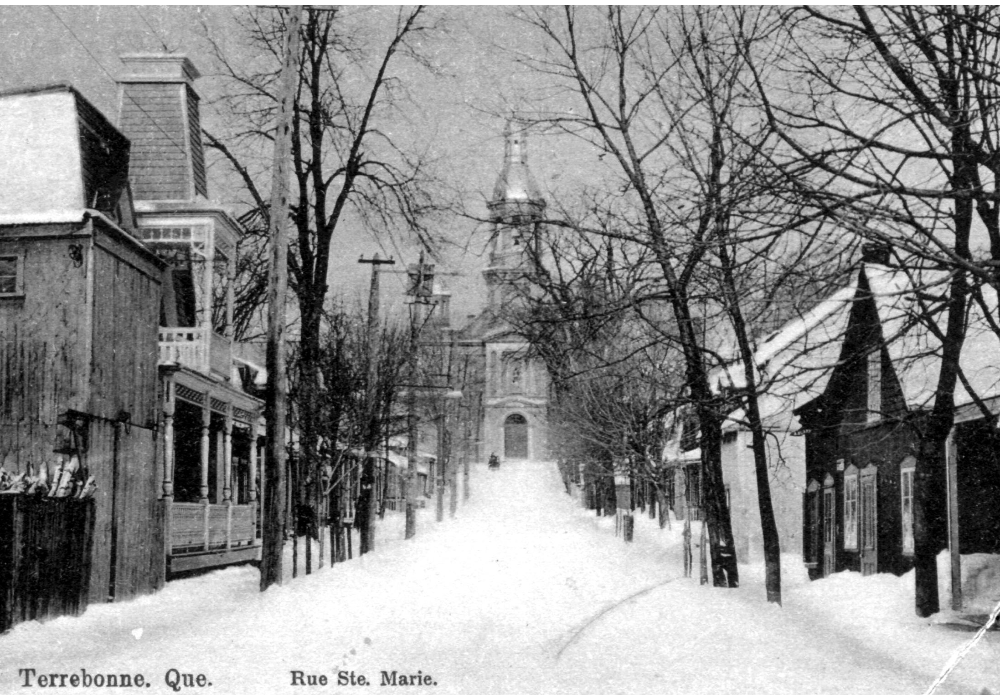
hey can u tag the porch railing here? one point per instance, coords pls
(207, 527)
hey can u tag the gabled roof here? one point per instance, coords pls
(794, 363)
(914, 317)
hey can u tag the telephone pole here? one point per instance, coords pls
(366, 499)
(273, 540)
(421, 276)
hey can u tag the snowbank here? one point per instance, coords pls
(523, 592)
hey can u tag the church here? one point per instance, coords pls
(513, 421)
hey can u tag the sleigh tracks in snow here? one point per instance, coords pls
(576, 632)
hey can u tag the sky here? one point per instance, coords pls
(457, 115)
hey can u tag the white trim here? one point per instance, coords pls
(851, 514)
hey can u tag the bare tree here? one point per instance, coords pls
(350, 165)
(662, 95)
(890, 119)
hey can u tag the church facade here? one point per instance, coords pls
(513, 422)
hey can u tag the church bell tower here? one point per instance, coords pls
(516, 211)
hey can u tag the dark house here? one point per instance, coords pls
(79, 304)
(862, 432)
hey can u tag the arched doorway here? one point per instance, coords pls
(515, 437)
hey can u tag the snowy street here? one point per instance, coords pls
(523, 592)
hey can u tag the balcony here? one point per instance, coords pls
(197, 349)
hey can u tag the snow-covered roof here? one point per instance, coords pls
(914, 319)
(794, 363)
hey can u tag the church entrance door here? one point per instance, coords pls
(515, 437)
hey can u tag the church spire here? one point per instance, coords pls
(516, 191)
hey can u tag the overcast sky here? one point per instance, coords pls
(456, 118)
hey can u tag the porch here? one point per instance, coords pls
(212, 445)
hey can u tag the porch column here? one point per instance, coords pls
(169, 405)
(227, 457)
(252, 491)
(206, 422)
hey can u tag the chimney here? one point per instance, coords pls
(159, 114)
(876, 253)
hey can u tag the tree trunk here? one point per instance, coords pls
(365, 512)
(768, 526)
(720, 530)
(929, 522)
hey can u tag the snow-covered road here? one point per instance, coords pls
(522, 592)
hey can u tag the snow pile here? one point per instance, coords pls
(523, 592)
(980, 582)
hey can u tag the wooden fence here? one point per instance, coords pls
(45, 557)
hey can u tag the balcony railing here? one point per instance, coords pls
(197, 350)
(184, 346)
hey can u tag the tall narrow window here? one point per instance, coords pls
(875, 385)
(11, 275)
(906, 469)
(851, 508)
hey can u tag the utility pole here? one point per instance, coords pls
(366, 500)
(277, 284)
(420, 278)
(439, 473)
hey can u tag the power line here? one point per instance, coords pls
(113, 80)
(138, 10)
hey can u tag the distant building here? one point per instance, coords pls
(515, 384)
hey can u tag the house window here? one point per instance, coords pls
(851, 508)
(906, 469)
(874, 385)
(11, 275)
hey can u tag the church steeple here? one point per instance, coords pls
(516, 210)
(515, 193)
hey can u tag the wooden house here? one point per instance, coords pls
(791, 366)
(211, 424)
(862, 430)
(79, 305)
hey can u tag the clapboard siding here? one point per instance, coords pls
(197, 152)
(153, 118)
